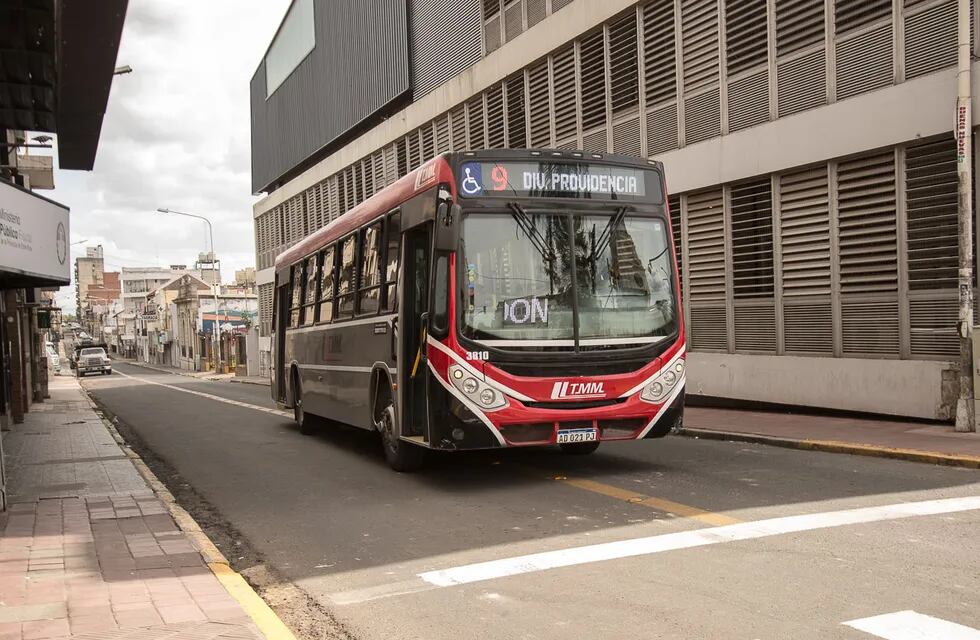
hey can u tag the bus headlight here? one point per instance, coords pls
(670, 378)
(477, 391)
(661, 386)
(653, 392)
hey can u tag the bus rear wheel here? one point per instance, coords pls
(579, 448)
(401, 456)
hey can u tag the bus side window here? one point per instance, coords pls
(327, 277)
(346, 284)
(296, 300)
(440, 296)
(393, 244)
(370, 264)
(309, 291)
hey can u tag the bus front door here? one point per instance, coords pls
(413, 321)
(280, 320)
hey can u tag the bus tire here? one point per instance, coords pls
(579, 448)
(308, 424)
(402, 456)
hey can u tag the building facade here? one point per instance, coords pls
(89, 271)
(808, 147)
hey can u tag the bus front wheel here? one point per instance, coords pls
(579, 448)
(306, 422)
(401, 456)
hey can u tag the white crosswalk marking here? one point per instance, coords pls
(910, 625)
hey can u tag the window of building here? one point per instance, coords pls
(327, 278)
(309, 292)
(346, 286)
(294, 41)
(369, 294)
(392, 248)
(296, 299)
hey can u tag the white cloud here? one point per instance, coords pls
(176, 135)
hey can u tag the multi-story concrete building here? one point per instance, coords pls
(89, 271)
(808, 146)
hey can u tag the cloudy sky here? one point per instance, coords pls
(175, 135)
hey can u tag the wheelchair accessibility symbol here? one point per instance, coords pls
(472, 179)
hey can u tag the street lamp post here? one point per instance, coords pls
(214, 288)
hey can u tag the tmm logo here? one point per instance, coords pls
(578, 390)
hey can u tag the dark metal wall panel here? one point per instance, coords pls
(358, 66)
(444, 41)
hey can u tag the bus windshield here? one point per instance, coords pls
(566, 279)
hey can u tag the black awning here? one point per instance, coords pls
(56, 63)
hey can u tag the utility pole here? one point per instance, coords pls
(964, 174)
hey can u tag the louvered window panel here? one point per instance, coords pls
(626, 137)
(799, 24)
(513, 20)
(706, 271)
(674, 204)
(624, 71)
(537, 10)
(931, 211)
(932, 327)
(854, 14)
(401, 155)
(478, 130)
(867, 225)
(751, 221)
(333, 199)
(864, 62)
(596, 142)
(495, 117)
(700, 43)
(441, 135)
(428, 142)
(930, 40)
(869, 328)
(804, 225)
(413, 150)
(559, 4)
(593, 82)
(808, 326)
(746, 35)
(516, 114)
(659, 55)
(802, 83)
(362, 170)
(748, 101)
(265, 309)
(490, 8)
(491, 34)
(378, 162)
(540, 124)
(566, 104)
(755, 327)
(457, 124)
(662, 129)
(702, 116)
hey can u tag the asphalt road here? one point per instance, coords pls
(672, 538)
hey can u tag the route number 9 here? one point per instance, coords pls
(499, 177)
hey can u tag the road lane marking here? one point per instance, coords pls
(660, 504)
(245, 405)
(910, 625)
(688, 539)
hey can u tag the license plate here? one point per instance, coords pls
(587, 434)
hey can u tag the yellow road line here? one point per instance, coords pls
(660, 504)
(264, 618)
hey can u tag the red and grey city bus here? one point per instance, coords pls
(487, 299)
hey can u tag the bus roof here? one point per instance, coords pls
(435, 171)
(431, 173)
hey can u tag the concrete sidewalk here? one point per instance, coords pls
(918, 441)
(89, 550)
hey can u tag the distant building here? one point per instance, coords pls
(89, 271)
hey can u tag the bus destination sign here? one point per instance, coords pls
(557, 180)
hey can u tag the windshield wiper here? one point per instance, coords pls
(531, 231)
(606, 236)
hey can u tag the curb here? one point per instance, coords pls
(255, 382)
(261, 614)
(209, 377)
(837, 446)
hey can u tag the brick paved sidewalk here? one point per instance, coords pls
(87, 550)
(889, 438)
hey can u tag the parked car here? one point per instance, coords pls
(54, 360)
(92, 360)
